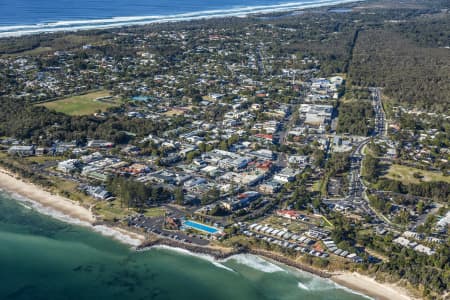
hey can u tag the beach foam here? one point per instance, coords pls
(75, 25)
(201, 256)
(302, 286)
(317, 284)
(56, 214)
(256, 262)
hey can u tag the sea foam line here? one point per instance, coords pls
(56, 214)
(76, 25)
(317, 284)
(249, 260)
(206, 257)
(256, 262)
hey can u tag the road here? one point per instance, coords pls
(357, 197)
(286, 125)
(380, 116)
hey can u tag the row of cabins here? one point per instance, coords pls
(284, 238)
(329, 243)
(413, 245)
(281, 233)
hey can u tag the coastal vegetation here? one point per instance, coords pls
(178, 81)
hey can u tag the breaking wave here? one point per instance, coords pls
(75, 25)
(256, 262)
(317, 284)
(56, 214)
(201, 256)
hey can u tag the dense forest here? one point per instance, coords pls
(413, 75)
(355, 118)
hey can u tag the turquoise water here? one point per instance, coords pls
(42, 258)
(201, 227)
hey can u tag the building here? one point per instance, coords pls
(98, 192)
(424, 249)
(270, 187)
(315, 114)
(100, 144)
(68, 166)
(288, 214)
(286, 175)
(21, 150)
(263, 154)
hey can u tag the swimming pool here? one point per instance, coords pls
(201, 227)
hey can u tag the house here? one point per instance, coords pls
(98, 192)
(288, 214)
(267, 138)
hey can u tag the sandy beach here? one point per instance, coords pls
(10, 183)
(76, 213)
(368, 286)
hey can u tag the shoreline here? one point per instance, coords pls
(17, 30)
(61, 208)
(68, 211)
(369, 286)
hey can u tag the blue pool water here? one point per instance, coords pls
(45, 259)
(201, 227)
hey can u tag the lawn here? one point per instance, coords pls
(111, 210)
(36, 51)
(155, 212)
(412, 175)
(83, 104)
(280, 223)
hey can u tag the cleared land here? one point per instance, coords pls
(83, 104)
(412, 175)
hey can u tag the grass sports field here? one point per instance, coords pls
(413, 175)
(83, 104)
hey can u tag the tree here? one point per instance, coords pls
(223, 146)
(370, 167)
(179, 196)
(420, 207)
(316, 203)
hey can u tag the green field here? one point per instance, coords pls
(405, 174)
(82, 105)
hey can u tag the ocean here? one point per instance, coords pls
(45, 258)
(21, 17)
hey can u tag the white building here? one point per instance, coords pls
(286, 175)
(69, 165)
